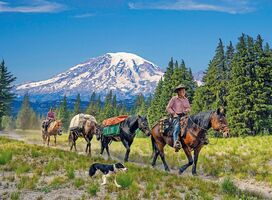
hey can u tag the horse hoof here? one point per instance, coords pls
(167, 170)
(181, 171)
(194, 174)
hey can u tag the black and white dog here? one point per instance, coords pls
(107, 170)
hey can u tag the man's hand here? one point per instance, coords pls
(175, 115)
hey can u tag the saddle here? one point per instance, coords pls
(166, 126)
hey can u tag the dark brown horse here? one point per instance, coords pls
(88, 130)
(193, 139)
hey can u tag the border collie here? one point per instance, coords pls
(107, 170)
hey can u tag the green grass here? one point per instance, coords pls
(229, 187)
(93, 189)
(70, 172)
(78, 182)
(57, 182)
(15, 196)
(34, 164)
(124, 180)
(5, 157)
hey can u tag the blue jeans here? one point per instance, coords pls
(176, 123)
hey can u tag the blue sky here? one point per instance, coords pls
(40, 38)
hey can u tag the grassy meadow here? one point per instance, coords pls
(31, 171)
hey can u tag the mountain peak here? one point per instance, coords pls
(126, 74)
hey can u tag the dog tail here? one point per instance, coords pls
(92, 170)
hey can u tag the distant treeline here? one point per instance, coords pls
(238, 78)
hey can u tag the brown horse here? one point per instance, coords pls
(54, 129)
(193, 139)
(89, 129)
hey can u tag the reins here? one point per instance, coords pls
(201, 128)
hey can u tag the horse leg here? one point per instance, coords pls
(190, 160)
(155, 157)
(107, 149)
(55, 140)
(196, 153)
(102, 147)
(125, 143)
(162, 155)
(48, 140)
(90, 146)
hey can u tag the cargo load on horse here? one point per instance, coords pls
(83, 125)
(78, 121)
(112, 125)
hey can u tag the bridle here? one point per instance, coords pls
(143, 128)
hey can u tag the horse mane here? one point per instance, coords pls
(131, 120)
(201, 119)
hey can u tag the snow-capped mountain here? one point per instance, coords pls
(198, 76)
(125, 74)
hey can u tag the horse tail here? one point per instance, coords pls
(70, 137)
(154, 147)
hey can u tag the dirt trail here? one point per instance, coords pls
(250, 185)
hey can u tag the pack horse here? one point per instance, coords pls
(122, 128)
(83, 125)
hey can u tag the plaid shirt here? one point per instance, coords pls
(178, 105)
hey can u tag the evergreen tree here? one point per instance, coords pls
(23, 120)
(262, 87)
(77, 105)
(238, 91)
(167, 88)
(214, 88)
(108, 110)
(92, 108)
(154, 111)
(63, 114)
(6, 96)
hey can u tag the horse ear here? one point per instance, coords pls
(218, 111)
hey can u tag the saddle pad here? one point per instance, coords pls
(114, 120)
(112, 130)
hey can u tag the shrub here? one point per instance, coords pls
(70, 172)
(5, 157)
(79, 182)
(124, 180)
(229, 187)
(93, 189)
(15, 196)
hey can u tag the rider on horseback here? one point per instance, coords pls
(178, 107)
(49, 118)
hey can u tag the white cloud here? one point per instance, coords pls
(85, 15)
(37, 6)
(227, 6)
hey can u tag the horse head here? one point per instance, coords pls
(99, 130)
(58, 126)
(219, 122)
(143, 125)
(89, 126)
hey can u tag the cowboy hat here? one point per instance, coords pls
(181, 86)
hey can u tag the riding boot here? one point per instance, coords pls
(177, 145)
